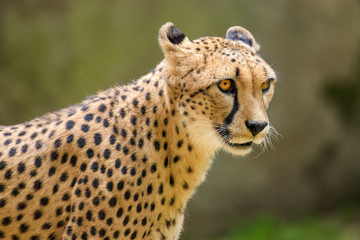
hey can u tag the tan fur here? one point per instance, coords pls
(133, 185)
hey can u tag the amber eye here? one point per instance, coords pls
(265, 86)
(226, 85)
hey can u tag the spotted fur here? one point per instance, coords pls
(123, 163)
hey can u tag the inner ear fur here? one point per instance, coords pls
(173, 43)
(237, 33)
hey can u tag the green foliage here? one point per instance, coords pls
(269, 228)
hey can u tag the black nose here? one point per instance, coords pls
(255, 127)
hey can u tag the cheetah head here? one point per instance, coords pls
(222, 87)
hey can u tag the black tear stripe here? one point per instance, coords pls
(235, 108)
(223, 130)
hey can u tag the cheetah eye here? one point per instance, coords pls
(226, 85)
(265, 86)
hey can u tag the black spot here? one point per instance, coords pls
(59, 211)
(90, 153)
(44, 201)
(93, 231)
(117, 163)
(37, 214)
(70, 124)
(172, 200)
(174, 35)
(161, 189)
(97, 138)
(21, 167)
(112, 202)
(87, 193)
(46, 226)
(55, 188)
(135, 102)
(110, 173)
(141, 143)
(153, 168)
(64, 158)
(102, 108)
(12, 152)
(109, 186)
(84, 108)
(64, 176)
(37, 185)
(24, 148)
(102, 232)
(176, 159)
(24, 228)
(83, 167)
(54, 155)
(85, 128)
(65, 197)
(57, 143)
(126, 220)
(8, 174)
(132, 172)
(84, 236)
(166, 162)
(101, 215)
(171, 180)
(88, 117)
(95, 183)
(107, 153)
(157, 145)
(125, 150)
(180, 143)
(70, 138)
(119, 212)
(124, 170)
(149, 189)
(105, 123)
(237, 72)
(133, 235)
(96, 201)
(112, 139)
(127, 195)
(133, 120)
(81, 142)
(73, 160)
(2, 202)
(120, 185)
(89, 215)
(122, 112)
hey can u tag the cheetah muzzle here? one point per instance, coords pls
(123, 163)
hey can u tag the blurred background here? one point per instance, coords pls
(55, 53)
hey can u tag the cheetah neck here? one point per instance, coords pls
(167, 139)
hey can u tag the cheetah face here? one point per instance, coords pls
(222, 87)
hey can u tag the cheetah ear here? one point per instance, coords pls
(241, 34)
(173, 42)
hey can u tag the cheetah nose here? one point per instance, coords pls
(255, 127)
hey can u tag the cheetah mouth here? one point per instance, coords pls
(239, 145)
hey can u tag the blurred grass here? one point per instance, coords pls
(313, 228)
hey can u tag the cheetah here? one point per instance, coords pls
(123, 163)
